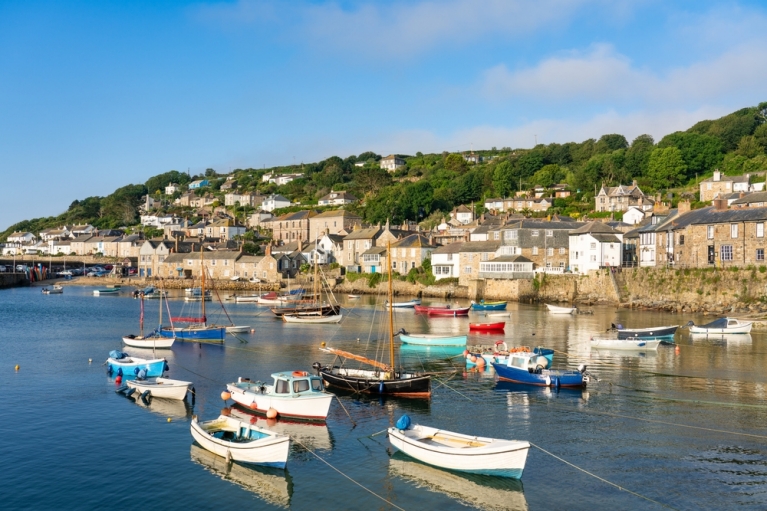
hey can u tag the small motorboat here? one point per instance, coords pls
(311, 319)
(556, 309)
(404, 305)
(241, 441)
(55, 290)
(449, 311)
(625, 344)
(533, 368)
(665, 333)
(488, 306)
(456, 451)
(296, 394)
(488, 327)
(126, 365)
(106, 291)
(160, 387)
(432, 339)
(722, 326)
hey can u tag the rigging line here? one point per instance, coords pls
(621, 488)
(198, 374)
(444, 382)
(347, 477)
(694, 401)
(347, 412)
(654, 421)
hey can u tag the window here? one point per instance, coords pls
(733, 230)
(534, 233)
(450, 257)
(710, 232)
(562, 251)
(593, 258)
(550, 251)
(394, 265)
(467, 269)
(300, 385)
(535, 250)
(549, 233)
(760, 230)
(412, 252)
(213, 262)
(510, 235)
(282, 387)
(681, 239)
(593, 246)
(760, 254)
(412, 264)
(496, 235)
(725, 252)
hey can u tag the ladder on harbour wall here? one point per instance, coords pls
(616, 285)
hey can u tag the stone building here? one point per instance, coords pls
(332, 222)
(471, 255)
(410, 252)
(545, 243)
(292, 226)
(620, 198)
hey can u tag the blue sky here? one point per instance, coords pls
(99, 94)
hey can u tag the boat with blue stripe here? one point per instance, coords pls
(488, 306)
(663, 333)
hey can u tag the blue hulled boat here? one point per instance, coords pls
(488, 306)
(122, 364)
(664, 333)
(533, 368)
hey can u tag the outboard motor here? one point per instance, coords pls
(317, 367)
(582, 368)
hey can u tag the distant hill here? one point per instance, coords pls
(430, 185)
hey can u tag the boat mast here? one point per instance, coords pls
(141, 316)
(202, 287)
(391, 310)
(314, 289)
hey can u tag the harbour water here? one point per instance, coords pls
(683, 428)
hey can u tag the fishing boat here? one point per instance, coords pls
(499, 353)
(272, 485)
(241, 441)
(154, 340)
(556, 309)
(198, 295)
(432, 339)
(296, 394)
(122, 364)
(448, 311)
(665, 333)
(488, 306)
(245, 298)
(314, 318)
(488, 327)
(722, 326)
(532, 368)
(625, 344)
(458, 451)
(384, 379)
(403, 305)
(107, 291)
(164, 388)
(57, 289)
(196, 328)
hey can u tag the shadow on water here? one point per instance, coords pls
(473, 490)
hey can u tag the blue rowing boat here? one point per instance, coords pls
(488, 306)
(533, 368)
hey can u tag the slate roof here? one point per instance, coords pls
(509, 259)
(594, 227)
(450, 248)
(480, 246)
(413, 240)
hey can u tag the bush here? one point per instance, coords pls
(334, 266)
(762, 269)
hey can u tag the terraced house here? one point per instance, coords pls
(293, 226)
(545, 243)
(410, 252)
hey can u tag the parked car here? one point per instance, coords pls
(3, 268)
(132, 271)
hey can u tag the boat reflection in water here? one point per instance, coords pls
(310, 435)
(730, 339)
(610, 353)
(175, 408)
(272, 485)
(530, 392)
(416, 352)
(472, 490)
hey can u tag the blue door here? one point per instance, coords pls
(372, 269)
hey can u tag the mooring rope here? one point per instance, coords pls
(346, 476)
(621, 488)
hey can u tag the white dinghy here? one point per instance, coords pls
(456, 451)
(241, 441)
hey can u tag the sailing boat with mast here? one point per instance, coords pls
(154, 340)
(313, 316)
(385, 379)
(197, 329)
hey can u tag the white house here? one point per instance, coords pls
(445, 261)
(22, 238)
(275, 201)
(593, 246)
(59, 247)
(287, 178)
(337, 199)
(171, 189)
(332, 245)
(633, 216)
(462, 214)
(392, 163)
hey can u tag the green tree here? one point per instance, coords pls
(456, 163)
(666, 167)
(749, 147)
(503, 179)
(638, 155)
(701, 153)
(610, 143)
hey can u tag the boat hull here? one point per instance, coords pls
(311, 319)
(404, 305)
(494, 306)
(270, 451)
(459, 311)
(433, 340)
(369, 382)
(129, 366)
(105, 292)
(626, 344)
(545, 378)
(743, 329)
(488, 327)
(235, 329)
(154, 342)
(325, 310)
(161, 387)
(192, 334)
(476, 455)
(662, 332)
(555, 309)
(314, 406)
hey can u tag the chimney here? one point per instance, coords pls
(741, 195)
(268, 250)
(634, 183)
(717, 175)
(720, 204)
(683, 207)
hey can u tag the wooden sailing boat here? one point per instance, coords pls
(385, 379)
(154, 340)
(197, 329)
(312, 308)
(316, 316)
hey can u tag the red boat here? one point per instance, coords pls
(448, 311)
(427, 308)
(488, 327)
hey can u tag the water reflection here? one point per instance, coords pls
(175, 408)
(311, 435)
(274, 486)
(479, 492)
(728, 339)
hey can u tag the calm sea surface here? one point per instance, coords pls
(683, 428)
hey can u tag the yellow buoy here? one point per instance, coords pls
(321, 344)
(168, 419)
(17, 367)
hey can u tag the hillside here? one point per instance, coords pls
(430, 185)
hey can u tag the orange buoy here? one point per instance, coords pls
(253, 406)
(226, 412)
(465, 352)
(271, 422)
(271, 413)
(226, 395)
(676, 350)
(300, 373)
(253, 420)
(473, 358)
(480, 361)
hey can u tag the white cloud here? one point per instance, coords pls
(394, 29)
